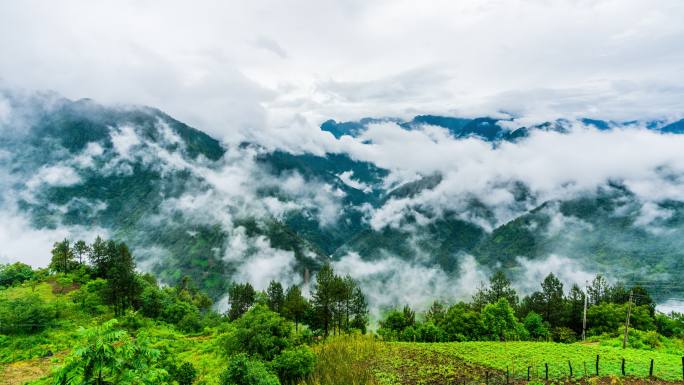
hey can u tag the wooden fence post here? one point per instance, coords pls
(623, 367)
(682, 368)
(528, 372)
(570, 365)
(487, 378)
(650, 370)
(546, 372)
(507, 374)
(597, 365)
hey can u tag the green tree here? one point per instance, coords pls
(80, 250)
(241, 298)
(62, 257)
(261, 333)
(243, 370)
(359, 309)
(553, 300)
(295, 305)
(499, 321)
(276, 297)
(574, 309)
(123, 284)
(110, 356)
(15, 273)
(536, 327)
(99, 255)
(294, 364)
(324, 297)
(462, 323)
(599, 290)
(436, 313)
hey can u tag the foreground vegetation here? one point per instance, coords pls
(90, 318)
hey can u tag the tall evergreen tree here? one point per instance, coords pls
(123, 286)
(575, 309)
(500, 287)
(62, 257)
(323, 298)
(295, 305)
(80, 250)
(552, 297)
(359, 309)
(276, 297)
(598, 291)
(241, 298)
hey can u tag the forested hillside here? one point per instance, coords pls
(89, 317)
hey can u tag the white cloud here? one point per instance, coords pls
(235, 68)
(347, 178)
(551, 166)
(568, 271)
(392, 282)
(58, 175)
(22, 242)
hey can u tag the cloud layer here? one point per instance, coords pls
(232, 68)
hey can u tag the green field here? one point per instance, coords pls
(405, 362)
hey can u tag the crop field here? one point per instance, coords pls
(466, 362)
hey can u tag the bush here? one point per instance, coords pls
(190, 323)
(28, 314)
(260, 332)
(15, 273)
(536, 327)
(242, 370)
(90, 297)
(564, 334)
(184, 374)
(294, 364)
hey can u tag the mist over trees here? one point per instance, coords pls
(551, 313)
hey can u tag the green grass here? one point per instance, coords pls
(517, 356)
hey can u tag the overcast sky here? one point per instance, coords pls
(234, 67)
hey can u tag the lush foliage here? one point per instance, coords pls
(496, 313)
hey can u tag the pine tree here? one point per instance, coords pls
(323, 298)
(276, 298)
(80, 250)
(295, 305)
(62, 257)
(552, 294)
(241, 298)
(123, 286)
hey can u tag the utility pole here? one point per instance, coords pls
(629, 313)
(584, 317)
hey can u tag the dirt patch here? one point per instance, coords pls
(58, 288)
(21, 372)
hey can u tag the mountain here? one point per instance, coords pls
(190, 205)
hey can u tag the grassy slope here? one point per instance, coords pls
(24, 359)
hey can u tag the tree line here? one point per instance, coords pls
(496, 312)
(337, 303)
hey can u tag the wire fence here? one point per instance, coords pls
(568, 372)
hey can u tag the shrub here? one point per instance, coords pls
(28, 314)
(190, 323)
(260, 332)
(294, 364)
(90, 297)
(242, 370)
(15, 273)
(536, 327)
(184, 374)
(564, 334)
